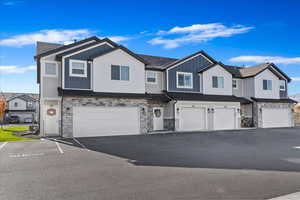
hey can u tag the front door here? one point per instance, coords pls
(158, 119)
(51, 120)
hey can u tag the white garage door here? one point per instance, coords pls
(192, 118)
(105, 121)
(273, 117)
(224, 118)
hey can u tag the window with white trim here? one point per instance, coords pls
(234, 84)
(78, 68)
(50, 69)
(267, 84)
(119, 72)
(282, 85)
(184, 80)
(151, 77)
(218, 82)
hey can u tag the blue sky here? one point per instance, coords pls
(233, 32)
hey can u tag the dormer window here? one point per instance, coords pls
(184, 80)
(267, 84)
(282, 85)
(78, 68)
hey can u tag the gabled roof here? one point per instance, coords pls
(192, 55)
(59, 56)
(23, 97)
(157, 62)
(212, 65)
(234, 70)
(63, 47)
(122, 48)
(247, 72)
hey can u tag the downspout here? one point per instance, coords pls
(61, 114)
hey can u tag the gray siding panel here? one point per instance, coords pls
(194, 65)
(82, 82)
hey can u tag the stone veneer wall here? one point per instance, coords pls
(69, 102)
(257, 115)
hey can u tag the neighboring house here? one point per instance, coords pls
(96, 87)
(24, 106)
(297, 109)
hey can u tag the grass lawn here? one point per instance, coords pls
(6, 134)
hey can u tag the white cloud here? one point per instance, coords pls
(13, 69)
(54, 36)
(119, 38)
(11, 3)
(196, 33)
(296, 78)
(264, 59)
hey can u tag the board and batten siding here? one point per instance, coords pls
(82, 82)
(193, 65)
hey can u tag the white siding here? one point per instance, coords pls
(248, 87)
(207, 81)
(268, 94)
(102, 73)
(158, 86)
(239, 90)
(21, 104)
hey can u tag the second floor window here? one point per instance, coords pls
(267, 85)
(151, 77)
(282, 85)
(50, 69)
(30, 104)
(16, 104)
(119, 73)
(218, 82)
(78, 68)
(184, 80)
(234, 84)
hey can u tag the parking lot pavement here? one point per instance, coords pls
(252, 164)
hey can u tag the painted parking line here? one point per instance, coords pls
(59, 148)
(2, 145)
(82, 145)
(297, 147)
(24, 155)
(293, 196)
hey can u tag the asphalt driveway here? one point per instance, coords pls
(248, 164)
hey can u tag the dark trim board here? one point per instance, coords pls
(88, 93)
(11, 111)
(287, 100)
(182, 96)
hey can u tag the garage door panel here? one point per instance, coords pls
(108, 121)
(275, 117)
(192, 118)
(224, 118)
